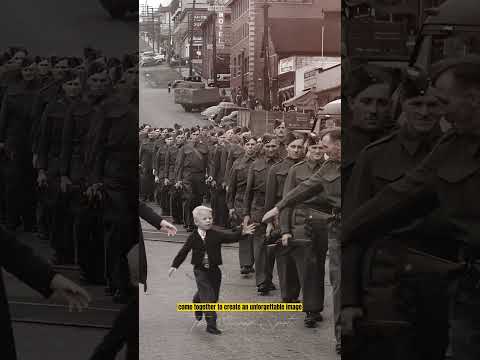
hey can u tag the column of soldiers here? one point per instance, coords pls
(243, 177)
(68, 152)
(410, 230)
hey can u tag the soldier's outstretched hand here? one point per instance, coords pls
(73, 294)
(169, 228)
(270, 214)
(248, 229)
(171, 271)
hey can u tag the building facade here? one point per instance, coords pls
(216, 29)
(286, 24)
(182, 15)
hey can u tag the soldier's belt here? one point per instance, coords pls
(291, 242)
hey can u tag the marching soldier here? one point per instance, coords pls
(114, 178)
(325, 185)
(287, 273)
(48, 180)
(369, 102)
(15, 139)
(146, 155)
(254, 205)
(381, 163)
(235, 200)
(443, 181)
(175, 195)
(191, 168)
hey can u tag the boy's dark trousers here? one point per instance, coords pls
(208, 284)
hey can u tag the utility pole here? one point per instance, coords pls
(266, 66)
(169, 36)
(190, 50)
(153, 29)
(214, 49)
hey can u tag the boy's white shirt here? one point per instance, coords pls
(203, 235)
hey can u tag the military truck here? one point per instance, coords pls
(196, 98)
(451, 30)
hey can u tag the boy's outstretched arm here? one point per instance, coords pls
(182, 254)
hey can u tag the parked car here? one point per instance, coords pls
(150, 61)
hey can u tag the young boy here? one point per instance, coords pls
(205, 244)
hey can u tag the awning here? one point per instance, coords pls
(313, 100)
(325, 96)
(305, 101)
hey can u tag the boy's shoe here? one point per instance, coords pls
(213, 330)
(199, 315)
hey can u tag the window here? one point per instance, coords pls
(234, 70)
(239, 73)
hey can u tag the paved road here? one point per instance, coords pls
(64, 27)
(156, 104)
(45, 329)
(166, 334)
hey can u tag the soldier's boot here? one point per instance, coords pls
(311, 319)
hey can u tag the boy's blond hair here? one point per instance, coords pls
(198, 209)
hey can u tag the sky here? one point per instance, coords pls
(154, 3)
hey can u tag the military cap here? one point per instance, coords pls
(267, 138)
(365, 76)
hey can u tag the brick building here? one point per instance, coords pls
(294, 29)
(216, 27)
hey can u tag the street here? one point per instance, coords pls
(156, 104)
(167, 334)
(44, 328)
(64, 28)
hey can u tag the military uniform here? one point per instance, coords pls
(218, 169)
(159, 150)
(235, 152)
(309, 261)
(235, 200)
(446, 180)
(15, 132)
(287, 273)
(147, 179)
(74, 164)
(325, 186)
(191, 168)
(380, 164)
(353, 141)
(174, 196)
(50, 92)
(219, 206)
(49, 149)
(115, 166)
(254, 205)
